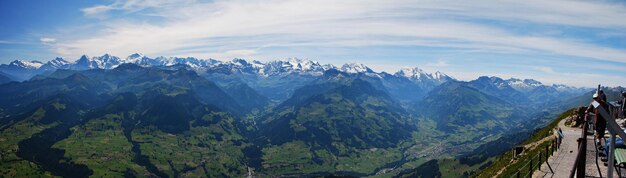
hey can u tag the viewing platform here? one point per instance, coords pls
(563, 160)
(562, 163)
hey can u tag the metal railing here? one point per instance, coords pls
(581, 157)
(536, 161)
(614, 130)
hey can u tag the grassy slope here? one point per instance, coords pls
(100, 144)
(198, 152)
(503, 160)
(12, 165)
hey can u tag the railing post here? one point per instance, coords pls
(517, 173)
(539, 162)
(530, 168)
(547, 153)
(553, 147)
(583, 158)
(611, 156)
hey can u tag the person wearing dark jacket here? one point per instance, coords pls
(599, 121)
(602, 95)
(623, 104)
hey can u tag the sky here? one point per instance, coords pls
(577, 43)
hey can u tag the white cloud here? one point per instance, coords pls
(47, 41)
(227, 28)
(236, 25)
(131, 6)
(96, 10)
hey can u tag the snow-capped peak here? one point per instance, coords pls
(240, 62)
(409, 72)
(134, 58)
(84, 58)
(355, 68)
(58, 62)
(523, 85)
(136, 55)
(303, 64)
(532, 82)
(440, 76)
(27, 64)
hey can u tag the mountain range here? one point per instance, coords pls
(182, 117)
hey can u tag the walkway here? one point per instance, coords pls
(563, 160)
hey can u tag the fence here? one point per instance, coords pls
(538, 156)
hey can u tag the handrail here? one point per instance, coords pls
(541, 157)
(614, 130)
(582, 150)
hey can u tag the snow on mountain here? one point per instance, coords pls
(412, 73)
(441, 76)
(83, 63)
(140, 59)
(21, 69)
(301, 64)
(106, 61)
(287, 66)
(570, 89)
(291, 65)
(418, 75)
(26, 64)
(525, 85)
(355, 68)
(56, 63)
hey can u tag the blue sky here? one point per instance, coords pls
(579, 43)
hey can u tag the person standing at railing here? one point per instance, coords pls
(599, 121)
(602, 96)
(623, 104)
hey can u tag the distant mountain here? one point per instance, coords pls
(498, 87)
(21, 70)
(425, 80)
(458, 106)
(274, 79)
(612, 94)
(124, 78)
(352, 114)
(54, 64)
(523, 86)
(246, 97)
(4, 78)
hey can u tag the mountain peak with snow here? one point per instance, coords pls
(411, 72)
(356, 68)
(135, 55)
(440, 76)
(26, 64)
(524, 85)
(286, 66)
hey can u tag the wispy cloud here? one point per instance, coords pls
(6, 42)
(264, 24)
(96, 11)
(225, 29)
(47, 41)
(131, 6)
